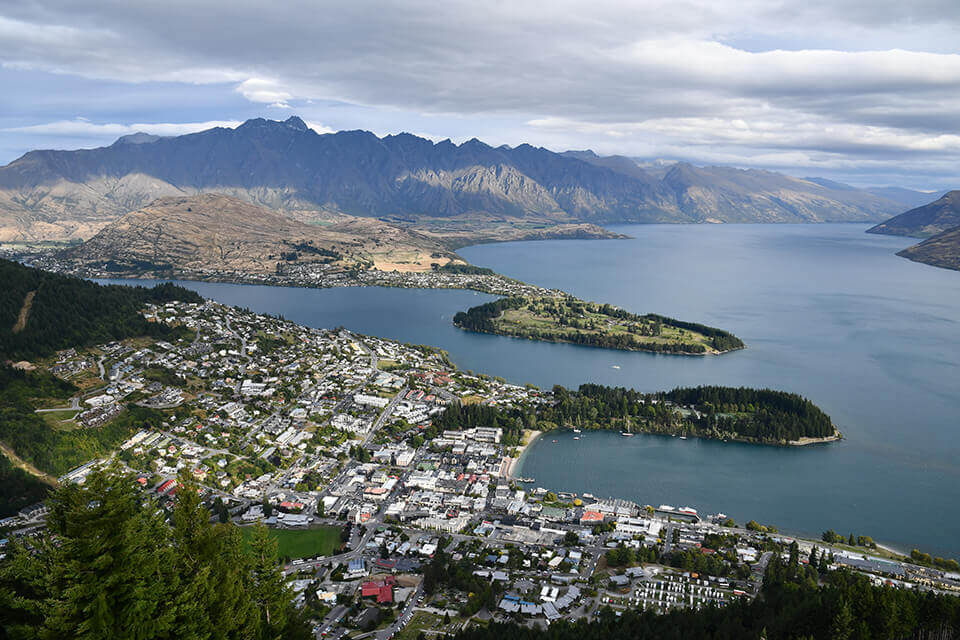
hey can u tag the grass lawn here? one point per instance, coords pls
(302, 543)
(879, 552)
(55, 419)
(521, 321)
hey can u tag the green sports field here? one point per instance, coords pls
(302, 543)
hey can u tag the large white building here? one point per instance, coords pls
(371, 401)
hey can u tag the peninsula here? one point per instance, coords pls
(738, 414)
(569, 319)
(941, 250)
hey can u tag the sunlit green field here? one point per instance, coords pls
(302, 543)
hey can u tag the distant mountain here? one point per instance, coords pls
(214, 232)
(620, 164)
(924, 221)
(288, 166)
(941, 250)
(831, 184)
(907, 197)
(727, 194)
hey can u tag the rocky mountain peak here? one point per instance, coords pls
(139, 137)
(294, 122)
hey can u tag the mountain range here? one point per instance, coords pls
(286, 166)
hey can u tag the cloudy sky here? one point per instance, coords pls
(866, 91)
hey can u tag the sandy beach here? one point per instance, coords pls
(529, 437)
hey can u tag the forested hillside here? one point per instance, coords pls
(20, 489)
(42, 312)
(56, 451)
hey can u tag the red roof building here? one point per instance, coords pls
(382, 590)
(591, 517)
(166, 485)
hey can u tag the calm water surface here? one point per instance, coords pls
(826, 311)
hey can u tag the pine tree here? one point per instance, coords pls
(824, 563)
(212, 565)
(842, 625)
(113, 567)
(269, 592)
(113, 573)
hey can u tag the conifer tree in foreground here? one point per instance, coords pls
(111, 565)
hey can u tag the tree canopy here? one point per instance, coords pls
(113, 565)
(758, 415)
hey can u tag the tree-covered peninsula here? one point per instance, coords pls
(762, 416)
(568, 319)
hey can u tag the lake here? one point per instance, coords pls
(826, 311)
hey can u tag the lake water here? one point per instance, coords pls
(826, 311)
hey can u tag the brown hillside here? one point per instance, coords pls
(218, 232)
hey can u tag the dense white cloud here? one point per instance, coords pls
(82, 128)
(262, 90)
(848, 82)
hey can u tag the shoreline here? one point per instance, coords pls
(531, 437)
(804, 442)
(702, 354)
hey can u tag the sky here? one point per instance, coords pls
(863, 91)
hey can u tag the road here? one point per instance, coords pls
(74, 406)
(668, 537)
(387, 410)
(374, 360)
(243, 352)
(329, 622)
(210, 451)
(761, 566)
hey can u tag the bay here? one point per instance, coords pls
(826, 311)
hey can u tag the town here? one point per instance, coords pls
(293, 274)
(389, 524)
